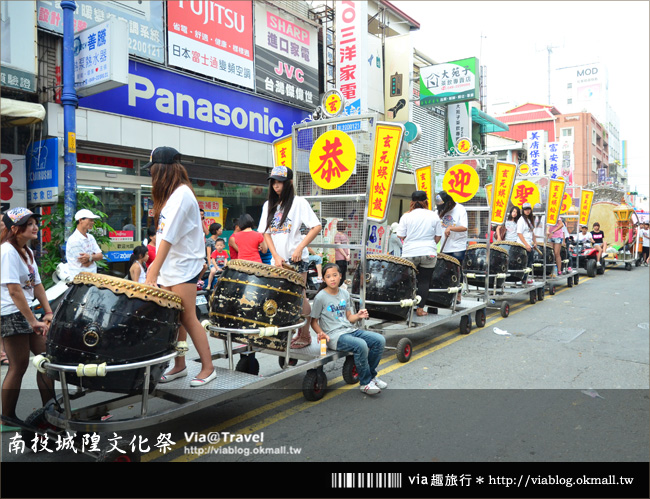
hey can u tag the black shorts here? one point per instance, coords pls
(194, 280)
(15, 324)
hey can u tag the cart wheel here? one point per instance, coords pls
(248, 364)
(350, 373)
(569, 282)
(292, 362)
(540, 293)
(601, 270)
(591, 268)
(637, 263)
(479, 318)
(37, 420)
(533, 297)
(107, 456)
(465, 324)
(404, 350)
(576, 279)
(314, 385)
(628, 266)
(551, 289)
(505, 309)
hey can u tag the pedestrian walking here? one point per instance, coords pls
(645, 235)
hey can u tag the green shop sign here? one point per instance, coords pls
(450, 82)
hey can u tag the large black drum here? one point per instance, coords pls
(107, 319)
(446, 275)
(517, 259)
(251, 295)
(476, 261)
(388, 279)
(539, 259)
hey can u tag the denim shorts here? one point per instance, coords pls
(556, 240)
(195, 280)
(15, 324)
(458, 255)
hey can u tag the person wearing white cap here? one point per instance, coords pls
(81, 249)
(394, 243)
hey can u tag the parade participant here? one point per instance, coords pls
(508, 231)
(219, 259)
(526, 234)
(645, 235)
(420, 231)
(22, 332)
(332, 319)
(584, 236)
(342, 255)
(555, 235)
(453, 219)
(81, 249)
(394, 243)
(215, 231)
(540, 223)
(249, 243)
(151, 245)
(599, 241)
(180, 253)
(232, 245)
(283, 214)
(137, 264)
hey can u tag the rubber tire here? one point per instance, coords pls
(533, 297)
(248, 364)
(591, 268)
(569, 281)
(465, 324)
(505, 309)
(479, 318)
(601, 270)
(117, 457)
(541, 292)
(628, 266)
(404, 350)
(350, 373)
(314, 385)
(576, 279)
(38, 421)
(551, 290)
(292, 362)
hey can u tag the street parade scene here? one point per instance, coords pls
(290, 232)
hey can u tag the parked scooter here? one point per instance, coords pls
(584, 255)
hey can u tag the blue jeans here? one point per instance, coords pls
(367, 347)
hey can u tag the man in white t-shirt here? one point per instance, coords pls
(81, 249)
(645, 234)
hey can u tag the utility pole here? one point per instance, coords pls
(549, 49)
(482, 76)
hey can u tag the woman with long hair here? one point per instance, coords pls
(22, 332)
(283, 214)
(180, 254)
(526, 233)
(138, 264)
(420, 230)
(453, 219)
(508, 231)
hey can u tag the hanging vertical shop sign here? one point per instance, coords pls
(423, 182)
(146, 37)
(332, 159)
(213, 39)
(459, 123)
(553, 158)
(504, 179)
(535, 140)
(282, 151)
(18, 48)
(43, 171)
(461, 182)
(388, 142)
(488, 193)
(586, 198)
(12, 182)
(352, 54)
(454, 81)
(554, 201)
(286, 56)
(398, 66)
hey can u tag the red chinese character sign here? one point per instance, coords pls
(332, 159)
(525, 192)
(461, 182)
(388, 143)
(501, 188)
(423, 182)
(524, 169)
(464, 146)
(332, 103)
(282, 149)
(586, 198)
(554, 202)
(566, 204)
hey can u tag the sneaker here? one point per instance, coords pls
(569, 270)
(380, 384)
(530, 281)
(370, 389)
(598, 264)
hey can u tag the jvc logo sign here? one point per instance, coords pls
(587, 72)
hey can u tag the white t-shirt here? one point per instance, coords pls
(511, 230)
(645, 234)
(524, 228)
(287, 238)
(584, 237)
(419, 227)
(76, 244)
(457, 240)
(180, 225)
(15, 271)
(540, 223)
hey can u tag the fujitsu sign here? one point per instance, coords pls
(215, 11)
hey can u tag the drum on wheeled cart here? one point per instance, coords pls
(517, 259)
(475, 261)
(104, 319)
(447, 274)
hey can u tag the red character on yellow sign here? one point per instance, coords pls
(461, 182)
(332, 159)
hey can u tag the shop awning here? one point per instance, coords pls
(487, 122)
(17, 113)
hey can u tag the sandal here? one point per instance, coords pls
(420, 312)
(300, 342)
(4, 361)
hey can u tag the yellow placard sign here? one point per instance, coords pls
(213, 208)
(388, 142)
(461, 182)
(333, 104)
(464, 146)
(488, 193)
(524, 169)
(566, 204)
(525, 192)
(555, 198)
(423, 181)
(72, 142)
(282, 151)
(332, 159)
(504, 178)
(586, 198)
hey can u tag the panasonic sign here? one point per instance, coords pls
(165, 97)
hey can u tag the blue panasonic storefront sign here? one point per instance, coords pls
(163, 96)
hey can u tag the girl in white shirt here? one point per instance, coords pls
(508, 231)
(453, 219)
(525, 231)
(283, 214)
(180, 253)
(138, 267)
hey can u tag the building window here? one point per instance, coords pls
(569, 101)
(594, 164)
(566, 132)
(569, 85)
(594, 136)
